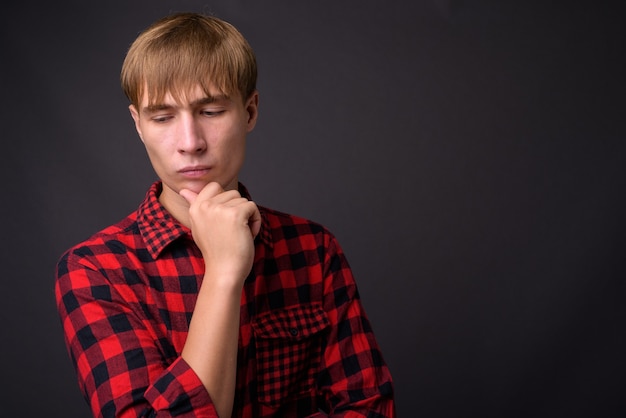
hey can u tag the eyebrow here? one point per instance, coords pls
(199, 102)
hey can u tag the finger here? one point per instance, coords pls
(254, 221)
(227, 197)
(188, 195)
(236, 201)
(210, 190)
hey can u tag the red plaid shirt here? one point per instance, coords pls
(126, 295)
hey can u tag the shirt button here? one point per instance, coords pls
(293, 331)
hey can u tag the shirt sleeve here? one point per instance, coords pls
(356, 382)
(121, 370)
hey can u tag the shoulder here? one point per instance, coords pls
(115, 239)
(295, 234)
(296, 224)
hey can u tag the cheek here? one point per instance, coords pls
(237, 147)
(230, 141)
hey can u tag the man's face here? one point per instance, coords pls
(200, 140)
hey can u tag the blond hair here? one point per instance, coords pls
(183, 50)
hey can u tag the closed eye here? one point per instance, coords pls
(212, 113)
(161, 118)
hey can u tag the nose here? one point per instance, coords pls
(191, 139)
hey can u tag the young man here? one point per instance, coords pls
(201, 303)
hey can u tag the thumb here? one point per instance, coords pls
(188, 195)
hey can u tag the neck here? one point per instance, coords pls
(176, 205)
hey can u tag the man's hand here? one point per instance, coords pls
(223, 225)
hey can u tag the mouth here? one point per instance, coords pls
(194, 171)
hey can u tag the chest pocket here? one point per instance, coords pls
(288, 351)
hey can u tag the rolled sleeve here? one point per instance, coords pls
(179, 392)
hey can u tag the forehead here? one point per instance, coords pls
(183, 96)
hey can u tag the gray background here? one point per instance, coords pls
(469, 156)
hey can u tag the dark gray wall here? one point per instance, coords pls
(470, 157)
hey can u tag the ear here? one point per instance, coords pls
(252, 107)
(135, 114)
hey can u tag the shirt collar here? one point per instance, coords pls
(159, 228)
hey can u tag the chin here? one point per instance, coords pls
(195, 186)
(176, 187)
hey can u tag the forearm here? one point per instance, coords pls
(223, 225)
(356, 380)
(211, 346)
(119, 363)
(360, 384)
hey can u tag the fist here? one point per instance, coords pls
(223, 225)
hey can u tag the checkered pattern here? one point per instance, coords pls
(288, 351)
(126, 295)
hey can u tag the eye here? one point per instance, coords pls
(161, 118)
(212, 112)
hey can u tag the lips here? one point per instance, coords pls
(194, 171)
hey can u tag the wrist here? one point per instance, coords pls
(223, 281)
